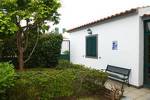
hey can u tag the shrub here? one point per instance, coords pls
(9, 47)
(45, 85)
(8, 50)
(48, 84)
(92, 81)
(47, 51)
(65, 64)
(89, 80)
(7, 75)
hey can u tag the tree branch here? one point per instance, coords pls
(32, 49)
(31, 26)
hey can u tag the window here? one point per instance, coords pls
(91, 46)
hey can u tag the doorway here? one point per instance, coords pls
(147, 53)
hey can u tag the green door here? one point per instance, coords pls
(147, 53)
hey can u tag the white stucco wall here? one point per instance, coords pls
(124, 30)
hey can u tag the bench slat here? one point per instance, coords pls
(117, 73)
(118, 70)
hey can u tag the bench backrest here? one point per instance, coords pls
(118, 70)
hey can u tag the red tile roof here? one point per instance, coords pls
(146, 15)
(127, 12)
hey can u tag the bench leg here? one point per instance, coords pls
(122, 87)
(128, 83)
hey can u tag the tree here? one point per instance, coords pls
(21, 17)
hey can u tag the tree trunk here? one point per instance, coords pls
(20, 59)
(20, 51)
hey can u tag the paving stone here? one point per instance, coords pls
(144, 97)
(126, 98)
(131, 93)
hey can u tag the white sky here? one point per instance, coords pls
(78, 12)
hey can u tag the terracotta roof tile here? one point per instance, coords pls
(146, 15)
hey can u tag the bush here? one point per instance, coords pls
(44, 85)
(9, 47)
(7, 75)
(64, 64)
(47, 51)
(92, 81)
(49, 84)
(8, 50)
(89, 80)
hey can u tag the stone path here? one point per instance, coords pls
(131, 93)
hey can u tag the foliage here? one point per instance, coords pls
(21, 17)
(12, 12)
(7, 26)
(90, 79)
(42, 84)
(9, 48)
(47, 51)
(1, 43)
(49, 84)
(65, 64)
(7, 75)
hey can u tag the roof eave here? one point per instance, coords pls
(127, 12)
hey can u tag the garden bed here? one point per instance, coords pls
(65, 82)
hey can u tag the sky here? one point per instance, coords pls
(77, 12)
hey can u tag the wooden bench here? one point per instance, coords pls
(119, 74)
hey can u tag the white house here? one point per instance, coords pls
(121, 40)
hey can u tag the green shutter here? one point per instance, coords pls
(91, 46)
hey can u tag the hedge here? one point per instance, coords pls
(47, 51)
(8, 51)
(51, 84)
(7, 76)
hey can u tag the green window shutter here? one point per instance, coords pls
(94, 46)
(91, 46)
(88, 46)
